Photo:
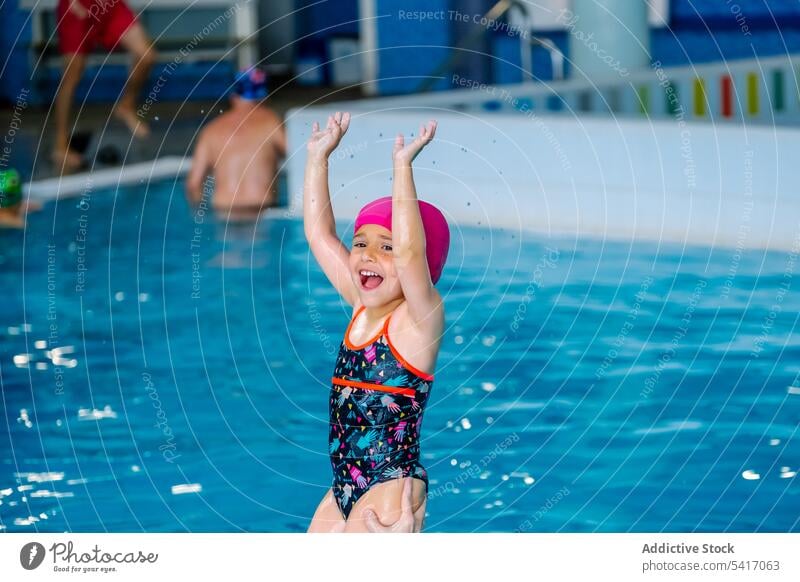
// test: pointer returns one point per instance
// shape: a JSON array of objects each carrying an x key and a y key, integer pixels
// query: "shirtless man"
[
  {"x": 242, "y": 149},
  {"x": 82, "y": 24}
]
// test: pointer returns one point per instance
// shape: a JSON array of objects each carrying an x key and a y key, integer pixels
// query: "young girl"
[{"x": 384, "y": 370}]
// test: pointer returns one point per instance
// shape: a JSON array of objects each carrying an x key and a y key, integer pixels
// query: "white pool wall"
[
  {"x": 668, "y": 180},
  {"x": 68, "y": 186}
]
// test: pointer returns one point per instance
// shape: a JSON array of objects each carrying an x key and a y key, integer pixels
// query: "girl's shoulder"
[{"x": 431, "y": 326}]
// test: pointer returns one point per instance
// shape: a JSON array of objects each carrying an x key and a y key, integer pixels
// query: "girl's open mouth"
[{"x": 369, "y": 279}]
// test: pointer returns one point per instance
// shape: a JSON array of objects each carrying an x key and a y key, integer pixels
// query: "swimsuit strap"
[{"x": 385, "y": 333}]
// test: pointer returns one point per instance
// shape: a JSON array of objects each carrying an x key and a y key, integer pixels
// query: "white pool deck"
[{"x": 694, "y": 183}]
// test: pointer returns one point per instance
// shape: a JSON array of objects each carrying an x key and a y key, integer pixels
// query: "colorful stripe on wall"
[
  {"x": 673, "y": 98},
  {"x": 779, "y": 84},
  {"x": 643, "y": 96},
  {"x": 726, "y": 94},
  {"x": 700, "y": 97},
  {"x": 752, "y": 93},
  {"x": 777, "y": 90}
]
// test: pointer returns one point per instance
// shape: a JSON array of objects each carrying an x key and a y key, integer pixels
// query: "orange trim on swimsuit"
[
  {"x": 402, "y": 360},
  {"x": 347, "y": 333},
  {"x": 384, "y": 331},
  {"x": 378, "y": 387}
]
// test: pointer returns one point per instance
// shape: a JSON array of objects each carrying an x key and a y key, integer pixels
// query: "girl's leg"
[
  {"x": 327, "y": 518},
  {"x": 386, "y": 501}
]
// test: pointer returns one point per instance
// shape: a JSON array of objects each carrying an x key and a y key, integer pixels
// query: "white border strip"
[{"x": 652, "y": 557}]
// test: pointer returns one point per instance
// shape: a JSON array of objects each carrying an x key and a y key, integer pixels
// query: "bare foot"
[
  {"x": 67, "y": 161},
  {"x": 127, "y": 115}
]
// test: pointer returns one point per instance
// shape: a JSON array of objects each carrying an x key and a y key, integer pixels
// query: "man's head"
[{"x": 251, "y": 85}]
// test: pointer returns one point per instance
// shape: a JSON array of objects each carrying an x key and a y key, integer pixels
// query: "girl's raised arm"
[
  {"x": 318, "y": 221},
  {"x": 408, "y": 234}
]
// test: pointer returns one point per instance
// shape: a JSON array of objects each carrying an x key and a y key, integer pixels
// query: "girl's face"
[{"x": 372, "y": 266}]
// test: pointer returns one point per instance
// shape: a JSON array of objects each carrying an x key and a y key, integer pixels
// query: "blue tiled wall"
[
  {"x": 316, "y": 23},
  {"x": 410, "y": 51},
  {"x": 722, "y": 13},
  {"x": 687, "y": 46},
  {"x": 325, "y": 19},
  {"x": 187, "y": 82},
  {"x": 15, "y": 35},
  {"x": 713, "y": 30}
]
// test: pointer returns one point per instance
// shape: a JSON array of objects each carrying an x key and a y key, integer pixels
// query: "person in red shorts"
[{"x": 82, "y": 25}]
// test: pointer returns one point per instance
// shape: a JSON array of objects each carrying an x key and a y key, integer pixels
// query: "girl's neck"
[{"x": 378, "y": 313}]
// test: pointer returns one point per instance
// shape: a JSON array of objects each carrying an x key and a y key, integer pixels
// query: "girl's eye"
[
  {"x": 359, "y": 244},
  {"x": 387, "y": 248}
]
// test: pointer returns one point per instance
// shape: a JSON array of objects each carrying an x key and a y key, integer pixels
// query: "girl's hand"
[
  {"x": 405, "y": 154},
  {"x": 322, "y": 143}
]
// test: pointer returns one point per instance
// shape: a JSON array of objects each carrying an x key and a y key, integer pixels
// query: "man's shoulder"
[{"x": 269, "y": 114}]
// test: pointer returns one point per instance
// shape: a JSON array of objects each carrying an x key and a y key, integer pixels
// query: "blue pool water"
[{"x": 164, "y": 371}]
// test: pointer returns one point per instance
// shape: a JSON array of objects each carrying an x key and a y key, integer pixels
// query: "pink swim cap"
[{"x": 437, "y": 233}]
